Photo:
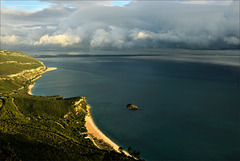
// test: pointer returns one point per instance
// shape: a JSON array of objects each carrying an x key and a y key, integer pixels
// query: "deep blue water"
[{"x": 189, "y": 111}]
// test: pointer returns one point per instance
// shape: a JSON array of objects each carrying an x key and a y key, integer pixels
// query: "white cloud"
[
  {"x": 10, "y": 39},
  {"x": 207, "y": 2},
  {"x": 232, "y": 40},
  {"x": 143, "y": 35},
  {"x": 110, "y": 37},
  {"x": 100, "y": 38},
  {"x": 138, "y": 24},
  {"x": 63, "y": 40}
]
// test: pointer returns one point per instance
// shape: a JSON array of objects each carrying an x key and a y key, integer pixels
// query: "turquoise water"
[{"x": 189, "y": 111}]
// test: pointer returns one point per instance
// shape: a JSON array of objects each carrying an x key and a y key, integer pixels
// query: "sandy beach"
[
  {"x": 30, "y": 88},
  {"x": 90, "y": 125},
  {"x": 51, "y": 68},
  {"x": 33, "y": 84},
  {"x": 93, "y": 129}
]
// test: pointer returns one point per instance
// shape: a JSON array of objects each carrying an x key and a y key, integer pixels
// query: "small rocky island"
[{"x": 132, "y": 107}]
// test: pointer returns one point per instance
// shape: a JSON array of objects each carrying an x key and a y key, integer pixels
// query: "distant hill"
[
  {"x": 17, "y": 68},
  {"x": 41, "y": 128},
  {"x": 14, "y": 62}
]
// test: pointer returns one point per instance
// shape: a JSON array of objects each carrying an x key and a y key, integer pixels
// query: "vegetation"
[
  {"x": 14, "y": 62},
  {"x": 133, "y": 152},
  {"x": 16, "y": 69},
  {"x": 42, "y": 128}
]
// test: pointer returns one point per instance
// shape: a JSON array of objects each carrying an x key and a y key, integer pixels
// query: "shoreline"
[
  {"x": 94, "y": 130},
  {"x": 32, "y": 84},
  {"x": 51, "y": 68},
  {"x": 90, "y": 125}
]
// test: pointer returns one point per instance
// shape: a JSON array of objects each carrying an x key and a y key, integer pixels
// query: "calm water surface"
[{"x": 189, "y": 111}]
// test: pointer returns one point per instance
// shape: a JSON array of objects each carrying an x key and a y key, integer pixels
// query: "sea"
[{"x": 189, "y": 109}]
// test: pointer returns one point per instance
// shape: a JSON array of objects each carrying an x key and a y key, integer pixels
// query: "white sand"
[
  {"x": 33, "y": 84},
  {"x": 51, "y": 68},
  {"x": 30, "y": 89},
  {"x": 90, "y": 125},
  {"x": 93, "y": 129}
]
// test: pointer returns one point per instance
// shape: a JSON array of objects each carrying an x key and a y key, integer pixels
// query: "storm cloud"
[{"x": 139, "y": 24}]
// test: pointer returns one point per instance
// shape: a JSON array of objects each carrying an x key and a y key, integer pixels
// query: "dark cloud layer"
[{"x": 155, "y": 24}]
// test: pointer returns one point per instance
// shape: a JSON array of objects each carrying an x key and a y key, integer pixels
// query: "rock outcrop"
[
  {"x": 28, "y": 74},
  {"x": 132, "y": 107},
  {"x": 81, "y": 104}
]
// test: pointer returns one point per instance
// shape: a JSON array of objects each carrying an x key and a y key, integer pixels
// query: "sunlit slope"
[{"x": 17, "y": 68}]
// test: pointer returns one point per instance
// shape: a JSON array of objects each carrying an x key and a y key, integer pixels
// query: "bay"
[{"x": 188, "y": 110}]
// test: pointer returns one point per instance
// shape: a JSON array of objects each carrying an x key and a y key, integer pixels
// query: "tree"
[
  {"x": 136, "y": 154},
  {"x": 133, "y": 152},
  {"x": 121, "y": 149},
  {"x": 129, "y": 149}
]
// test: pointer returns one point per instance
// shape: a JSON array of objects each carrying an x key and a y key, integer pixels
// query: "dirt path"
[
  {"x": 59, "y": 124},
  {"x": 17, "y": 107}
]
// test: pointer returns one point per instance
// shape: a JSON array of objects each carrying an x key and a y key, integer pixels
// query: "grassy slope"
[
  {"x": 34, "y": 127},
  {"x": 13, "y": 63}
]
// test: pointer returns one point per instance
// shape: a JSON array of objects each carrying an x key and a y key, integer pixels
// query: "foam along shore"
[
  {"x": 93, "y": 129},
  {"x": 33, "y": 84}
]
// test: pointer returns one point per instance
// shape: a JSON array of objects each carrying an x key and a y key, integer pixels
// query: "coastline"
[
  {"x": 90, "y": 125},
  {"x": 33, "y": 84},
  {"x": 93, "y": 129},
  {"x": 51, "y": 68}
]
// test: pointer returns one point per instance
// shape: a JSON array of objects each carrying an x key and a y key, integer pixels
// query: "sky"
[{"x": 115, "y": 25}]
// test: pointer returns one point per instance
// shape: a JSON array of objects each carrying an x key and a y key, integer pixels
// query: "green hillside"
[
  {"x": 14, "y": 62},
  {"x": 16, "y": 69},
  {"x": 41, "y": 128}
]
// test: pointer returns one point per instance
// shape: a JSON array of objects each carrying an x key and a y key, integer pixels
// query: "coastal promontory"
[{"x": 41, "y": 128}]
